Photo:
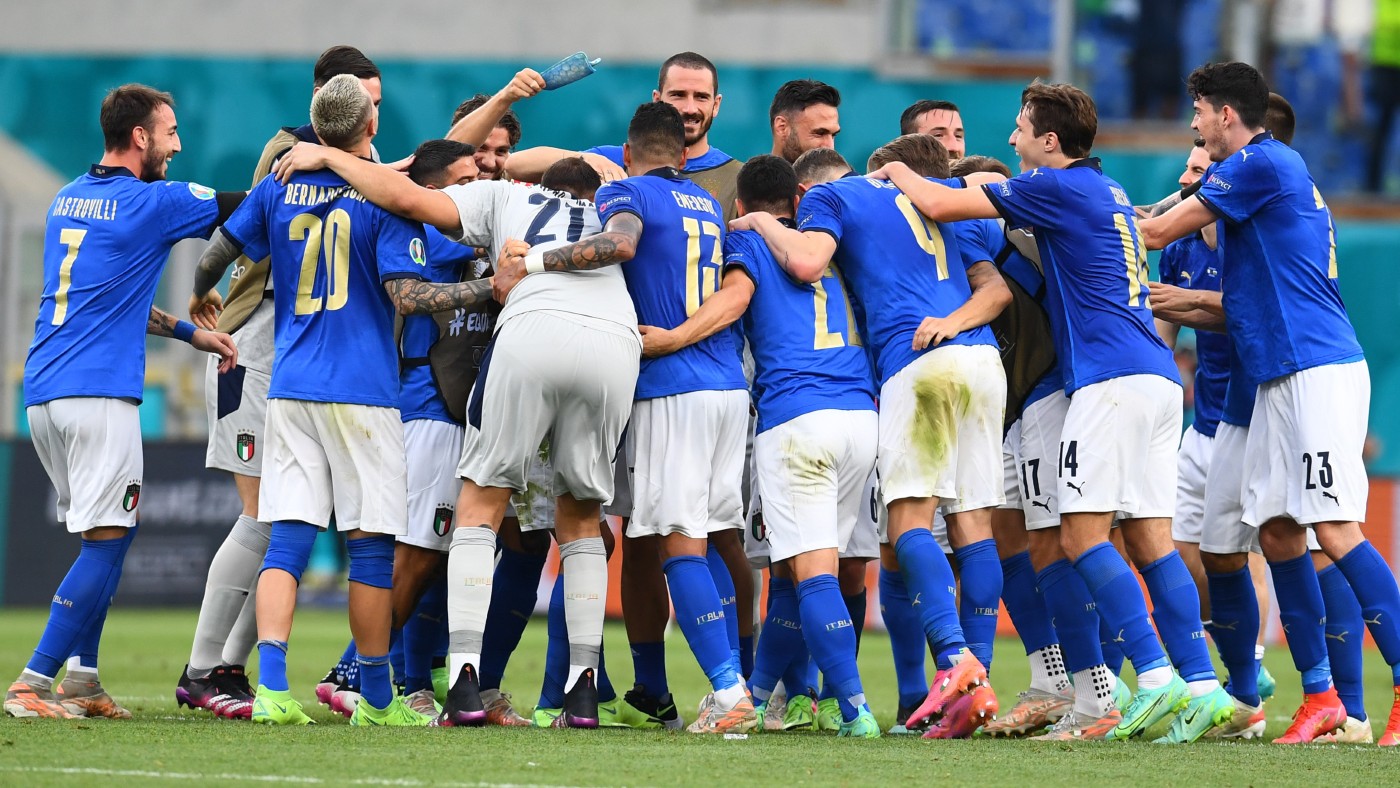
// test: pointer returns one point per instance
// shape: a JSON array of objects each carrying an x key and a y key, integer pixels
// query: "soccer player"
[
  {"x": 938, "y": 118},
  {"x": 941, "y": 386},
  {"x": 341, "y": 267},
  {"x": 816, "y": 440},
  {"x": 1302, "y": 458},
  {"x": 523, "y": 393},
  {"x": 226, "y": 631},
  {"x": 803, "y": 116},
  {"x": 107, "y": 237},
  {"x": 1117, "y": 446}
]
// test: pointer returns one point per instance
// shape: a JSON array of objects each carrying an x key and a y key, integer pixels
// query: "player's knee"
[
  {"x": 535, "y": 543},
  {"x": 372, "y": 561},
  {"x": 1282, "y": 540},
  {"x": 850, "y": 573},
  {"x": 609, "y": 541},
  {"x": 1217, "y": 564},
  {"x": 289, "y": 547}
]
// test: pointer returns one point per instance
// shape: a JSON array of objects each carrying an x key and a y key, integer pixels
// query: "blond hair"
[{"x": 340, "y": 111}]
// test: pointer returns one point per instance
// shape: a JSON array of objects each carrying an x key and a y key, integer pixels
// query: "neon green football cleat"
[
  {"x": 278, "y": 708},
  {"x": 1150, "y": 706},
  {"x": 1213, "y": 709},
  {"x": 441, "y": 684},
  {"x": 608, "y": 714},
  {"x": 863, "y": 726},
  {"x": 544, "y": 718},
  {"x": 1122, "y": 696},
  {"x": 801, "y": 714},
  {"x": 828, "y": 714},
  {"x": 396, "y": 715}
]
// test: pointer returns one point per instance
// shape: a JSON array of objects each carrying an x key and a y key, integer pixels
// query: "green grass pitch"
[{"x": 144, "y": 651}]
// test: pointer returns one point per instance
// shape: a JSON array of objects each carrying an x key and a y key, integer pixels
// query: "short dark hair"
[
  {"x": 656, "y": 132},
  {"x": 819, "y": 162},
  {"x": 432, "y": 159},
  {"x": 342, "y": 59},
  {"x": 573, "y": 175},
  {"x": 909, "y": 118},
  {"x": 1279, "y": 119},
  {"x": 798, "y": 94},
  {"x": 1065, "y": 110},
  {"x": 969, "y": 164},
  {"x": 767, "y": 183},
  {"x": 686, "y": 60},
  {"x": 127, "y": 107},
  {"x": 1236, "y": 84},
  {"x": 509, "y": 121},
  {"x": 922, "y": 153}
]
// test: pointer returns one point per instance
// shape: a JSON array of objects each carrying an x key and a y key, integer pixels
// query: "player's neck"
[
  {"x": 642, "y": 167},
  {"x": 1240, "y": 138},
  {"x": 129, "y": 158},
  {"x": 700, "y": 148}
]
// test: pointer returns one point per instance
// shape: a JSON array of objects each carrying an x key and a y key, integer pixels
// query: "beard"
[
  {"x": 700, "y": 134},
  {"x": 153, "y": 165},
  {"x": 792, "y": 148}
]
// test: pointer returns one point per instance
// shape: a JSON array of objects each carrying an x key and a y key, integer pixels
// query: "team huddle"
[{"x": 967, "y": 375}]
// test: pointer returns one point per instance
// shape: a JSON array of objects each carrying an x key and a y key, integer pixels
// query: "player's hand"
[
  {"x": 657, "y": 341},
  {"x": 888, "y": 172},
  {"x": 220, "y": 343},
  {"x": 934, "y": 331},
  {"x": 510, "y": 269},
  {"x": 606, "y": 169},
  {"x": 749, "y": 221},
  {"x": 205, "y": 310},
  {"x": 401, "y": 165},
  {"x": 302, "y": 157},
  {"x": 1170, "y": 298},
  {"x": 527, "y": 82}
]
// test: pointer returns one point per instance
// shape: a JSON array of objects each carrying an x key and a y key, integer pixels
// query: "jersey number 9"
[
  {"x": 327, "y": 240},
  {"x": 928, "y": 236}
]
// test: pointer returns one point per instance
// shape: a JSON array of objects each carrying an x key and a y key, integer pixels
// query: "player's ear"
[
  {"x": 718, "y": 98},
  {"x": 683, "y": 154},
  {"x": 140, "y": 137},
  {"x": 739, "y": 207},
  {"x": 796, "y": 198},
  {"x": 627, "y": 157},
  {"x": 656, "y": 95}
]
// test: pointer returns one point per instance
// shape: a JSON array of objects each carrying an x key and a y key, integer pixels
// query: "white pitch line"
[{"x": 256, "y": 778}]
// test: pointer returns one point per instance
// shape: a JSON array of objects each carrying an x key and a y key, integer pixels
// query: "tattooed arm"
[
  {"x": 617, "y": 243},
  {"x": 160, "y": 324},
  {"x": 417, "y": 297},
  {"x": 163, "y": 324}
]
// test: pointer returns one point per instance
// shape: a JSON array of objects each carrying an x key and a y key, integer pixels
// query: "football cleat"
[
  {"x": 607, "y": 714},
  {"x": 327, "y": 686},
  {"x": 801, "y": 714},
  {"x": 544, "y": 718},
  {"x": 966, "y": 714},
  {"x": 26, "y": 700},
  {"x": 499, "y": 710},
  {"x": 1201, "y": 715},
  {"x": 1150, "y": 706},
  {"x": 637, "y": 709},
  {"x": 900, "y": 727},
  {"x": 1073, "y": 727},
  {"x": 829, "y": 714},
  {"x": 580, "y": 704},
  {"x": 278, "y": 708},
  {"x": 397, "y": 714},
  {"x": 463, "y": 706},
  {"x": 1248, "y": 723},
  {"x": 863, "y": 726},
  {"x": 739, "y": 718},
  {"x": 772, "y": 712},
  {"x": 1320, "y": 714},
  {"x": 421, "y": 702},
  {"x": 1266, "y": 685},
  {"x": 440, "y": 684},
  {"x": 1035, "y": 710},
  {"x": 948, "y": 685},
  {"x": 223, "y": 693},
  {"x": 1391, "y": 736},
  {"x": 88, "y": 699},
  {"x": 1353, "y": 731}
]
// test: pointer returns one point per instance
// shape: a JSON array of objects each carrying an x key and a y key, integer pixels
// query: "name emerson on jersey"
[{"x": 690, "y": 201}]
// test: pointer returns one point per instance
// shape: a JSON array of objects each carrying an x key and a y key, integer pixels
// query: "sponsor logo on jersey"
[
  {"x": 416, "y": 252},
  {"x": 201, "y": 192},
  {"x": 132, "y": 496},
  {"x": 246, "y": 446},
  {"x": 442, "y": 519}
]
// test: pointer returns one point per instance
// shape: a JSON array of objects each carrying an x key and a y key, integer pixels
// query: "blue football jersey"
[
  {"x": 1238, "y": 407},
  {"x": 711, "y": 159},
  {"x": 331, "y": 251},
  {"x": 807, "y": 351},
  {"x": 984, "y": 239},
  {"x": 901, "y": 266},
  {"x": 1282, "y": 304},
  {"x": 1095, "y": 270},
  {"x": 1191, "y": 264},
  {"x": 419, "y": 395},
  {"x": 106, "y": 240},
  {"x": 679, "y": 263}
]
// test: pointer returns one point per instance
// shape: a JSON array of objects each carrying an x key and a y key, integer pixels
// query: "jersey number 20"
[{"x": 327, "y": 240}]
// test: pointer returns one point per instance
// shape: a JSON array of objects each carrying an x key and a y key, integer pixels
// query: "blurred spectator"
[
  {"x": 1384, "y": 88},
  {"x": 1156, "y": 61}
]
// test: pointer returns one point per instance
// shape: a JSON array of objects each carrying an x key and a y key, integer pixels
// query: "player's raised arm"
[
  {"x": 529, "y": 164},
  {"x": 939, "y": 202},
  {"x": 1185, "y": 218},
  {"x": 717, "y": 313},
  {"x": 803, "y": 255},
  {"x": 379, "y": 184},
  {"x": 476, "y": 126}
]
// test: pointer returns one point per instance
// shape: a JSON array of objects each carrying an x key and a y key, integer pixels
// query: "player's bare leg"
[{"x": 646, "y": 610}]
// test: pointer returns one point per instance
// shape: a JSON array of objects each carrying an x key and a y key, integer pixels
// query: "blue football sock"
[
  {"x": 1301, "y": 609},
  {"x": 272, "y": 664},
  {"x": 82, "y": 598},
  {"x": 1345, "y": 633},
  {"x": 746, "y": 654},
  {"x": 606, "y": 692},
  {"x": 649, "y": 667},
  {"x": 514, "y": 592},
  {"x": 1025, "y": 604},
  {"x": 556, "y": 654},
  {"x": 86, "y": 647},
  {"x": 701, "y": 618},
  {"x": 855, "y": 608},
  {"x": 420, "y": 636},
  {"x": 724, "y": 584},
  {"x": 375, "y": 688},
  {"x": 831, "y": 638},
  {"x": 1176, "y": 608},
  {"x": 780, "y": 641},
  {"x": 1120, "y": 603},
  {"x": 1379, "y": 596},
  {"x": 980, "y": 600},
  {"x": 1234, "y": 624},
  {"x": 397, "y": 667},
  {"x": 906, "y": 638},
  {"x": 932, "y": 591},
  {"x": 1111, "y": 648},
  {"x": 1072, "y": 609}
]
